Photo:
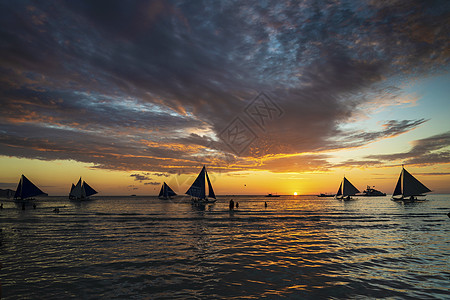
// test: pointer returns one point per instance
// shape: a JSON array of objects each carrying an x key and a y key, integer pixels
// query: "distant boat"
[
  {"x": 81, "y": 191},
  {"x": 408, "y": 188},
  {"x": 346, "y": 190},
  {"x": 198, "y": 189},
  {"x": 166, "y": 192},
  {"x": 271, "y": 195},
  {"x": 7, "y": 193},
  {"x": 371, "y": 192},
  {"x": 325, "y": 195},
  {"x": 26, "y": 190}
]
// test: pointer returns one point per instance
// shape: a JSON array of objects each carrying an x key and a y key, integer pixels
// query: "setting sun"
[{"x": 295, "y": 193}]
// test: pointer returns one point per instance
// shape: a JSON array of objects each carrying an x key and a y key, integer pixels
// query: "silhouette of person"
[
  {"x": 1, "y": 206},
  {"x": 237, "y": 204},
  {"x": 231, "y": 204},
  {"x": 265, "y": 204},
  {"x": 34, "y": 205}
]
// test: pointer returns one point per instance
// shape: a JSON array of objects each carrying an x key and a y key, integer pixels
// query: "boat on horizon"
[
  {"x": 81, "y": 191},
  {"x": 325, "y": 195},
  {"x": 272, "y": 195},
  {"x": 166, "y": 192},
  {"x": 346, "y": 190},
  {"x": 372, "y": 192},
  {"x": 26, "y": 190},
  {"x": 408, "y": 188},
  {"x": 198, "y": 189}
]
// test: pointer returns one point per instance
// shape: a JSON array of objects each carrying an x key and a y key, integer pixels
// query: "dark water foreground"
[{"x": 297, "y": 248}]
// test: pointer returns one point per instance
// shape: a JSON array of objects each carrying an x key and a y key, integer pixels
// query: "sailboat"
[
  {"x": 408, "y": 187},
  {"x": 346, "y": 189},
  {"x": 26, "y": 190},
  {"x": 198, "y": 189},
  {"x": 81, "y": 191},
  {"x": 166, "y": 192}
]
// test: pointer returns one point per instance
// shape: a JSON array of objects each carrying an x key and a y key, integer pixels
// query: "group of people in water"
[
  {"x": 56, "y": 210},
  {"x": 232, "y": 204}
]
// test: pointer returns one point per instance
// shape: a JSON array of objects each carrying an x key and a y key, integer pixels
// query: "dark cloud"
[
  {"x": 391, "y": 128},
  {"x": 152, "y": 183},
  {"x": 432, "y": 150},
  {"x": 150, "y": 85},
  {"x": 140, "y": 177}
]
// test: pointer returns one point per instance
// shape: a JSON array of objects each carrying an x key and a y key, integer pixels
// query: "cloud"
[
  {"x": 140, "y": 177},
  {"x": 152, "y": 183},
  {"x": 151, "y": 85},
  {"x": 432, "y": 150},
  {"x": 390, "y": 129}
]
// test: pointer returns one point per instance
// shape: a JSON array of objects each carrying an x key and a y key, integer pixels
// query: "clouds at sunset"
[{"x": 150, "y": 86}]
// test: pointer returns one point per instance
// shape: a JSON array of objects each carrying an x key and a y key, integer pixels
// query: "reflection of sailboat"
[
  {"x": 198, "y": 189},
  {"x": 346, "y": 189},
  {"x": 166, "y": 192},
  {"x": 408, "y": 187},
  {"x": 26, "y": 190},
  {"x": 81, "y": 191}
]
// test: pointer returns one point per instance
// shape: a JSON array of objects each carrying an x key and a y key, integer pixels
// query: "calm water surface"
[{"x": 298, "y": 248}]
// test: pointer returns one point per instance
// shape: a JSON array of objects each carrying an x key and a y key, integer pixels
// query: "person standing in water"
[
  {"x": 231, "y": 204},
  {"x": 265, "y": 204}
]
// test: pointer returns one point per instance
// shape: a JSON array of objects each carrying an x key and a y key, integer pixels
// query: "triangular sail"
[
  {"x": 71, "y": 189},
  {"x": 339, "y": 192},
  {"x": 197, "y": 189},
  {"x": 398, "y": 187},
  {"x": 27, "y": 189},
  {"x": 210, "y": 188},
  {"x": 412, "y": 186},
  {"x": 169, "y": 191},
  {"x": 88, "y": 190},
  {"x": 18, "y": 189},
  {"x": 348, "y": 189},
  {"x": 78, "y": 191},
  {"x": 161, "y": 192}
]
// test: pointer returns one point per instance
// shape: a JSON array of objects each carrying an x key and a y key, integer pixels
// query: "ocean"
[{"x": 299, "y": 247}]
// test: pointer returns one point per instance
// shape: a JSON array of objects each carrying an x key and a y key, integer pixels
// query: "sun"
[{"x": 295, "y": 193}]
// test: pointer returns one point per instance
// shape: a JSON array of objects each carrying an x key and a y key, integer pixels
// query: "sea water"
[{"x": 300, "y": 247}]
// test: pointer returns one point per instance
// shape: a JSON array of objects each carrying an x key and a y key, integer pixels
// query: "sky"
[{"x": 272, "y": 96}]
